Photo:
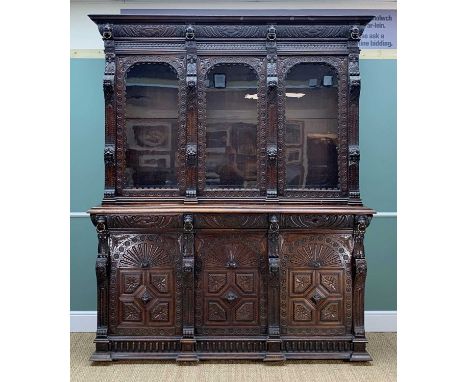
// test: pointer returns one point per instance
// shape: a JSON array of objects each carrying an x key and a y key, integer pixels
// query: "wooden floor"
[{"x": 382, "y": 347}]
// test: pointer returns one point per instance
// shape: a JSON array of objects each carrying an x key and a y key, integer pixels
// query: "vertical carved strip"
[
  {"x": 353, "y": 116},
  {"x": 272, "y": 110},
  {"x": 110, "y": 121},
  {"x": 187, "y": 342},
  {"x": 274, "y": 340},
  {"x": 102, "y": 278},
  {"x": 359, "y": 273},
  {"x": 192, "y": 117}
]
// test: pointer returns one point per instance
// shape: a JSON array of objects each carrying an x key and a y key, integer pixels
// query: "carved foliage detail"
[{"x": 330, "y": 312}]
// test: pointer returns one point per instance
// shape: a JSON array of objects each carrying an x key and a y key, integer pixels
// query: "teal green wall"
[{"x": 378, "y": 176}]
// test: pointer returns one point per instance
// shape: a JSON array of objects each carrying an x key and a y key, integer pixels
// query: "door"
[{"x": 230, "y": 281}]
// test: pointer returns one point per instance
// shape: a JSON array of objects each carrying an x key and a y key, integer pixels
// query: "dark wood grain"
[{"x": 191, "y": 273}]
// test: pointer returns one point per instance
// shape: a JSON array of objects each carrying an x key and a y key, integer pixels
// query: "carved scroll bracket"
[{"x": 361, "y": 222}]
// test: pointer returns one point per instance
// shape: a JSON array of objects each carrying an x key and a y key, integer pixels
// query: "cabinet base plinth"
[
  {"x": 100, "y": 357},
  {"x": 274, "y": 357},
  {"x": 187, "y": 357},
  {"x": 360, "y": 357}
]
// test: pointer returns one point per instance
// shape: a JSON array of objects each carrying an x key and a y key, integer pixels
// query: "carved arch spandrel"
[
  {"x": 322, "y": 266},
  {"x": 206, "y": 64},
  {"x": 123, "y": 64},
  {"x": 340, "y": 65}
]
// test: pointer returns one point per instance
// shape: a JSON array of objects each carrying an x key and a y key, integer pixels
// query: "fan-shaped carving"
[
  {"x": 243, "y": 254},
  {"x": 317, "y": 255},
  {"x": 145, "y": 254}
]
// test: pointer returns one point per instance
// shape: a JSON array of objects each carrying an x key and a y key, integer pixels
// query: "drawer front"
[
  {"x": 146, "y": 285},
  {"x": 315, "y": 284},
  {"x": 226, "y": 221},
  {"x": 230, "y": 284}
]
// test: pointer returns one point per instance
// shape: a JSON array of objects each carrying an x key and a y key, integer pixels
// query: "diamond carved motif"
[
  {"x": 160, "y": 282},
  {"x": 302, "y": 312},
  {"x": 317, "y": 296},
  {"x": 302, "y": 281},
  {"x": 216, "y": 312},
  {"x": 245, "y": 281},
  {"x": 160, "y": 312},
  {"x": 245, "y": 312},
  {"x": 330, "y": 282}
]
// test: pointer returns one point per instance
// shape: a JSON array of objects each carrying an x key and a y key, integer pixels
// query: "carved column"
[
  {"x": 274, "y": 341},
  {"x": 359, "y": 284},
  {"x": 353, "y": 114},
  {"x": 192, "y": 117},
  {"x": 272, "y": 111},
  {"x": 102, "y": 277},
  {"x": 187, "y": 342},
  {"x": 110, "y": 118}
]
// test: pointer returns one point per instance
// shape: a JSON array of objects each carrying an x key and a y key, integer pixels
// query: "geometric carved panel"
[
  {"x": 216, "y": 312},
  {"x": 230, "y": 278},
  {"x": 330, "y": 312},
  {"x": 315, "y": 284},
  {"x": 160, "y": 312},
  {"x": 131, "y": 282},
  {"x": 330, "y": 282},
  {"x": 245, "y": 312},
  {"x": 131, "y": 312},
  {"x": 302, "y": 312},
  {"x": 245, "y": 281},
  {"x": 216, "y": 281},
  {"x": 302, "y": 281},
  {"x": 160, "y": 282}
]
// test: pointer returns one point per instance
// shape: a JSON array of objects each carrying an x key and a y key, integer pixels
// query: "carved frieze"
[{"x": 317, "y": 221}]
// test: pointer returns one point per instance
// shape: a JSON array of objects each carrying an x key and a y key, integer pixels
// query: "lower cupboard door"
[
  {"x": 230, "y": 284},
  {"x": 315, "y": 284},
  {"x": 145, "y": 285}
]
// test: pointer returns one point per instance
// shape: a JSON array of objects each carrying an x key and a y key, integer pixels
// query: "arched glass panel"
[
  {"x": 311, "y": 128},
  {"x": 151, "y": 126},
  {"x": 231, "y": 127}
]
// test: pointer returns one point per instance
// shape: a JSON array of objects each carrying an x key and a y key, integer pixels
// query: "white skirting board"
[{"x": 375, "y": 321}]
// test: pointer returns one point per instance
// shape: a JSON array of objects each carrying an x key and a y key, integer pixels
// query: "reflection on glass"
[
  {"x": 311, "y": 129},
  {"x": 151, "y": 126},
  {"x": 231, "y": 130}
]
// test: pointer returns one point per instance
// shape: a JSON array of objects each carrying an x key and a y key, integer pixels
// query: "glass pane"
[
  {"x": 311, "y": 129},
  {"x": 231, "y": 129},
  {"x": 151, "y": 124}
]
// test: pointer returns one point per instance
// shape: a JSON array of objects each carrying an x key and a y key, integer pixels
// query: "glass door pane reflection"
[
  {"x": 311, "y": 128},
  {"x": 231, "y": 127}
]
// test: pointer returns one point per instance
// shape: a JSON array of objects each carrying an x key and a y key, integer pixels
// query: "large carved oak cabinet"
[{"x": 231, "y": 225}]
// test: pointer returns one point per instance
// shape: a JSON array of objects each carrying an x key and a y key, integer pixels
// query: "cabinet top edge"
[
  {"x": 241, "y": 16},
  {"x": 227, "y": 209}
]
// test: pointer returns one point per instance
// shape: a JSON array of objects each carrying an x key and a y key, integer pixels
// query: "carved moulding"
[
  {"x": 231, "y": 31},
  {"x": 205, "y": 64},
  {"x": 339, "y": 66},
  {"x": 177, "y": 64},
  {"x": 155, "y": 222},
  {"x": 317, "y": 221},
  {"x": 144, "y": 251}
]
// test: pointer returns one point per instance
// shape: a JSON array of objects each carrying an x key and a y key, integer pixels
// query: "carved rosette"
[
  {"x": 204, "y": 67},
  {"x": 123, "y": 64},
  {"x": 340, "y": 67}
]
